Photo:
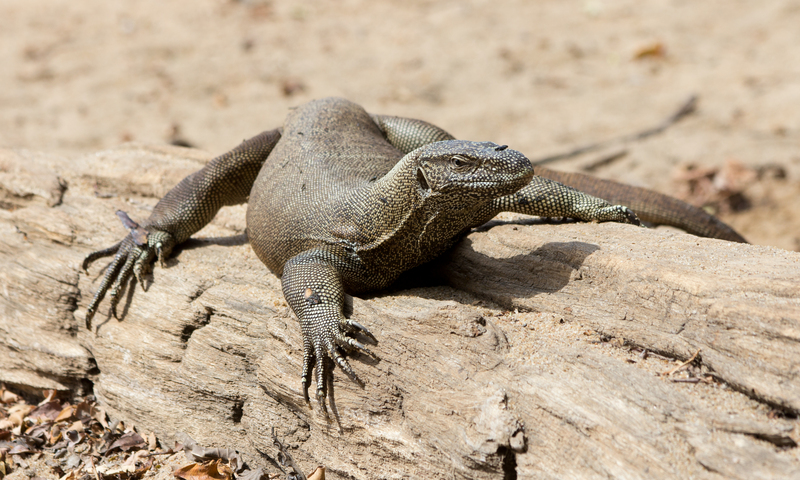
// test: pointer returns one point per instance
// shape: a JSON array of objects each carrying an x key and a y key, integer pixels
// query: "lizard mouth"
[{"x": 499, "y": 187}]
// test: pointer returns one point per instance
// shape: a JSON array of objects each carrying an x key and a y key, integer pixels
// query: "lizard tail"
[{"x": 651, "y": 207}]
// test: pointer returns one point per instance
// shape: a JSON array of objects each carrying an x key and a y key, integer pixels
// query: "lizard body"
[{"x": 341, "y": 201}]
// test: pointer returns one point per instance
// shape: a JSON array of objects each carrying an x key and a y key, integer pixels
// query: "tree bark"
[{"x": 527, "y": 361}]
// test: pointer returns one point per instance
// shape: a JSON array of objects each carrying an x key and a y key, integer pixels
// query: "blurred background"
[{"x": 542, "y": 76}]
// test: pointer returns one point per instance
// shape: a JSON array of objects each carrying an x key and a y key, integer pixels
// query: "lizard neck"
[
  {"x": 373, "y": 213},
  {"x": 397, "y": 222}
]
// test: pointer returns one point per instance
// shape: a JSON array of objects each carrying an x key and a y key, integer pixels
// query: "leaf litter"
[{"x": 56, "y": 439}]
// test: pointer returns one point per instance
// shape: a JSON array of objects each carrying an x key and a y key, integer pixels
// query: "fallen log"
[{"x": 545, "y": 351}]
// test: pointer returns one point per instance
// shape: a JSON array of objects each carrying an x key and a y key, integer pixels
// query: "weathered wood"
[{"x": 508, "y": 371}]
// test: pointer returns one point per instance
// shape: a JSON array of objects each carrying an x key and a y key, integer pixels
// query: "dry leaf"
[
  {"x": 76, "y": 426},
  {"x": 47, "y": 411},
  {"x": 654, "y": 50},
  {"x": 109, "y": 470},
  {"x": 74, "y": 436},
  {"x": 55, "y": 434},
  {"x": 83, "y": 410},
  {"x": 49, "y": 396},
  {"x": 9, "y": 397},
  {"x": 72, "y": 475},
  {"x": 720, "y": 188},
  {"x": 127, "y": 441},
  {"x": 17, "y": 414},
  {"x": 99, "y": 414},
  {"x": 21, "y": 448},
  {"x": 318, "y": 474},
  {"x": 213, "y": 470},
  {"x": 66, "y": 413}
]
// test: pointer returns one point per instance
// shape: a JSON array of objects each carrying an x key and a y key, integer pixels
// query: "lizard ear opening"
[{"x": 422, "y": 181}]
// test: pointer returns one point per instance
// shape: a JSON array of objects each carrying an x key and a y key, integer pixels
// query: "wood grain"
[{"x": 525, "y": 361}]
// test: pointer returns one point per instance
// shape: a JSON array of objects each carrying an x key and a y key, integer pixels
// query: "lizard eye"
[{"x": 459, "y": 163}]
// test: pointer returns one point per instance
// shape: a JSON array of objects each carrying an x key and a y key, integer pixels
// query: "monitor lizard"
[{"x": 342, "y": 202}]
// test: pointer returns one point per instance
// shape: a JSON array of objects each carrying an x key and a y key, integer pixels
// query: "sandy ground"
[{"x": 543, "y": 77}]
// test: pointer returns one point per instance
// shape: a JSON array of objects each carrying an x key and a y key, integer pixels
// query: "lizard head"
[{"x": 476, "y": 170}]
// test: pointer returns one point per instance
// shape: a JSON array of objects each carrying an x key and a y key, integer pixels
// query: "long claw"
[
  {"x": 89, "y": 316},
  {"x": 160, "y": 252},
  {"x": 122, "y": 278},
  {"x": 99, "y": 254},
  {"x": 321, "y": 373},
  {"x": 632, "y": 218},
  {"x": 352, "y": 324},
  {"x": 111, "y": 273},
  {"x": 343, "y": 341},
  {"x": 308, "y": 356},
  {"x": 345, "y": 366},
  {"x": 142, "y": 266},
  {"x": 137, "y": 272}
]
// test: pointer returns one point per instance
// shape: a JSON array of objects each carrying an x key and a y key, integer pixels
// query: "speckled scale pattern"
[
  {"x": 343, "y": 202},
  {"x": 651, "y": 207},
  {"x": 184, "y": 210}
]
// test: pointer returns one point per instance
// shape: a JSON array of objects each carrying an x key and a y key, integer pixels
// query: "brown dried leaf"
[
  {"x": 38, "y": 432},
  {"x": 55, "y": 434},
  {"x": 9, "y": 397},
  {"x": 318, "y": 474},
  {"x": 22, "y": 448},
  {"x": 47, "y": 411},
  {"x": 257, "y": 474},
  {"x": 17, "y": 414},
  {"x": 127, "y": 441},
  {"x": 653, "y": 50},
  {"x": 76, "y": 426},
  {"x": 719, "y": 188},
  {"x": 197, "y": 453},
  {"x": 99, "y": 414},
  {"x": 74, "y": 436},
  {"x": 83, "y": 410},
  {"x": 66, "y": 413},
  {"x": 71, "y": 475},
  {"x": 213, "y": 470},
  {"x": 49, "y": 396},
  {"x": 134, "y": 467},
  {"x": 115, "y": 470}
]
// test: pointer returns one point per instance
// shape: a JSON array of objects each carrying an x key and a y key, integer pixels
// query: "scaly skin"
[{"x": 343, "y": 202}]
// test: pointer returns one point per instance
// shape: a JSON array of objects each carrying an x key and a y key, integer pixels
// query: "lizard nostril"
[{"x": 500, "y": 148}]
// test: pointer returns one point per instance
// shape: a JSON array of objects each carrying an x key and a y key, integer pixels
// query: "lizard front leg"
[
  {"x": 312, "y": 285},
  {"x": 188, "y": 207},
  {"x": 547, "y": 198}
]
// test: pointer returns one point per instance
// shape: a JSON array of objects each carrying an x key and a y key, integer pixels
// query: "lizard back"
[{"x": 328, "y": 149}]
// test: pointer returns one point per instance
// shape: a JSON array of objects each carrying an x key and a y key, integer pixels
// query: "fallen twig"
[
  {"x": 686, "y": 380},
  {"x": 94, "y": 468},
  {"x": 605, "y": 160},
  {"x": 682, "y": 365},
  {"x": 686, "y": 108},
  {"x": 165, "y": 452}
]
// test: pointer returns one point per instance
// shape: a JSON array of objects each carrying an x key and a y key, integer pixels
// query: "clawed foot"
[
  {"x": 322, "y": 341},
  {"x": 617, "y": 213},
  {"x": 133, "y": 255}
]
